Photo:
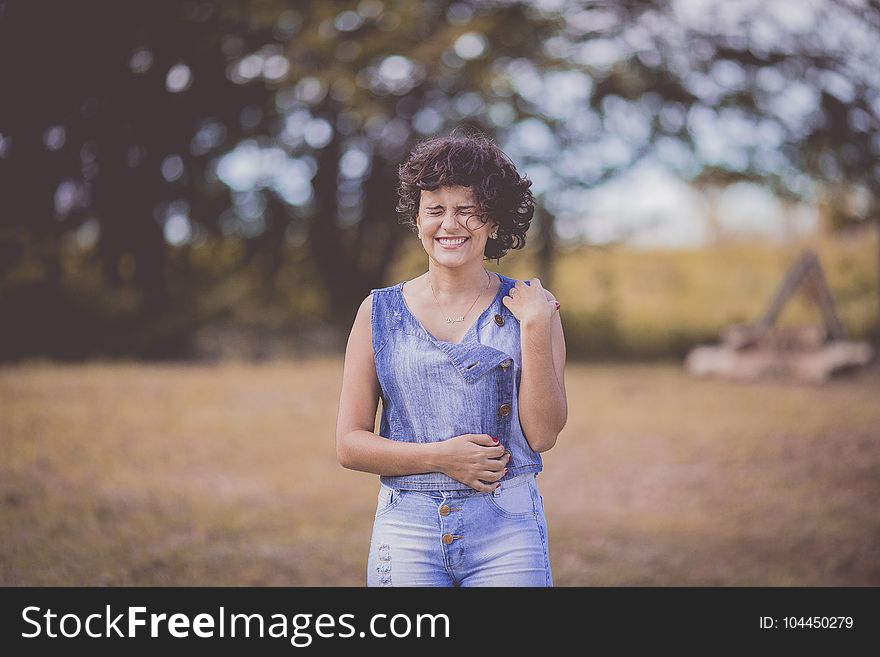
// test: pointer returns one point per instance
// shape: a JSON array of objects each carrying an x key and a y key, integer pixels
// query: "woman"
[{"x": 469, "y": 367}]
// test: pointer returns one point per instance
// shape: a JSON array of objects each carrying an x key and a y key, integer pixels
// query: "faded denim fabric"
[
  {"x": 433, "y": 390},
  {"x": 460, "y": 537}
]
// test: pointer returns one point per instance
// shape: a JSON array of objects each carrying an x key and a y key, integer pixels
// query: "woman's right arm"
[{"x": 471, "y": 458}]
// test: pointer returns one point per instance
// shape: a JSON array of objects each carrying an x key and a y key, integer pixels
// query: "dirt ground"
[{"x": 131, "y": 474}]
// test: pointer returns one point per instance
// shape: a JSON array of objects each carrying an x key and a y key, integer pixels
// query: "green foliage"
[{"x": 121, "y": 117}]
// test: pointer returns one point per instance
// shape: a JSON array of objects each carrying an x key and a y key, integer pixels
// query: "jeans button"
[{"x": 504, "y": 410}]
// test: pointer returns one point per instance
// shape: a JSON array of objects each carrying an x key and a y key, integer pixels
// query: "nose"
[{"x": 450, "y": 222}]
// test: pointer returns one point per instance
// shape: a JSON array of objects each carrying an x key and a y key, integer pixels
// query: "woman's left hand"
[{"x": 530, "y": 303}]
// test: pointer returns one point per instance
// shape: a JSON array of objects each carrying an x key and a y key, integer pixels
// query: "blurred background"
[{"x": 195, "y": 196}]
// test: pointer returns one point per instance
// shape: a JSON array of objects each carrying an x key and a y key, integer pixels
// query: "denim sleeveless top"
[{"x": 433, "y": 390}]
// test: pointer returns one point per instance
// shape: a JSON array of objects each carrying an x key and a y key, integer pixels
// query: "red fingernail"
[{"x": 495, "y": 439}]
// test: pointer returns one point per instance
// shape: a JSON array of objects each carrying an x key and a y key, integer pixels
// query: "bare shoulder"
[
  {"x": 361, "y": 328},
  {"x": 366, "y": 307},
  {"x": 557, "y": 332},
  {"x": 365, "y": 312}
]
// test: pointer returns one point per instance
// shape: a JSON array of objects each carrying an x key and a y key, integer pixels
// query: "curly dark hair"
[{"x": 470, "y": 160}]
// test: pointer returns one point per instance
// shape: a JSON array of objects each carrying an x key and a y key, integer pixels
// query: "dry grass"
[{"x": 226, "y": 475}]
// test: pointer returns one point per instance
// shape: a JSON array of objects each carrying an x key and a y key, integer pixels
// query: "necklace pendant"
[{"x": 453, "y": 320}]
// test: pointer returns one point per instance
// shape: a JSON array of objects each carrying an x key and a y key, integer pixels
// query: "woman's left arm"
[{"x": 543, "y": 409}]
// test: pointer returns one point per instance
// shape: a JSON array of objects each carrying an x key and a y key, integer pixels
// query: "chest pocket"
[{"x": 473, "y": 360}]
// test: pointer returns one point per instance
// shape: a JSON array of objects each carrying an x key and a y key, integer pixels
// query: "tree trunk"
[
  {"x": 546, "y": 248},
  {"x": 877, "y": 319},
  {"x": 328, "y": 251}
]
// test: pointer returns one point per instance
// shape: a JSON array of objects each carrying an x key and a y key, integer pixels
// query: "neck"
[{"x": 455, "y": 281}]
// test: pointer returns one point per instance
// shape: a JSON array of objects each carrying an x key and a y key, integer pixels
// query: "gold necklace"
[{"x": 453, "y": 320}]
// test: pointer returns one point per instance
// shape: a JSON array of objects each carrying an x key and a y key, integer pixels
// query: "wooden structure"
[{"x": 804, "y": 353}]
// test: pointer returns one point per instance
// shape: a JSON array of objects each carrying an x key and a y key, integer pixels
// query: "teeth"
[{"x": 451, "y": 240}]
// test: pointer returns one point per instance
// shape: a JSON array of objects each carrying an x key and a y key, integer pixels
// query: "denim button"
[
  {"x": 504, "y": 410},
  {"x": 499, "y": 320},
  {"x": 447, "y": 539},
  {"x": 506, "y": 364},
  {"x": 444, "y": 510}
]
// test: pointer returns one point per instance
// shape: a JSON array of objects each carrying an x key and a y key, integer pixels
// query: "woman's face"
[{"x": 453, "y": 232}]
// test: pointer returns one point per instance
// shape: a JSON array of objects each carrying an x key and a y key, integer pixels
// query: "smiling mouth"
[{"x": 451, "y": 242}]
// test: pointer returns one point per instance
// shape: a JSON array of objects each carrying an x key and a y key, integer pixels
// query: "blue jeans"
[{"x": 460, "y": 537}]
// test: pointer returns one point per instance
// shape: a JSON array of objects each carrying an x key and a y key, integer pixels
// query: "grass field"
[{"x": 115, "y": 474}]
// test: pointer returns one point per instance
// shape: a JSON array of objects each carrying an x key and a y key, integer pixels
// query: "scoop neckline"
[{"x": 471, "y": 328}]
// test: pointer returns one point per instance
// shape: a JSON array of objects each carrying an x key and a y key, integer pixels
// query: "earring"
[{"x": 494, "y": 235}]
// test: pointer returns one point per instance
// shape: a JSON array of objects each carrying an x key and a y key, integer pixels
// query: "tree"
[
  {"x": 249, "y": 120},
  {"x": 112, "y": 111}
]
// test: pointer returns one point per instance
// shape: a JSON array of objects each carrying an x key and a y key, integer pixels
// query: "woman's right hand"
[{"x": 475, "y": 459}]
